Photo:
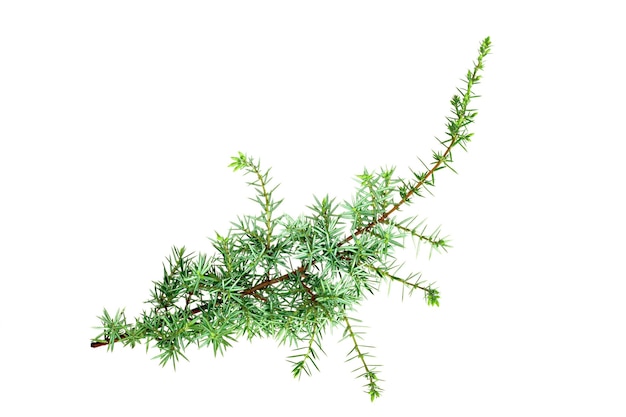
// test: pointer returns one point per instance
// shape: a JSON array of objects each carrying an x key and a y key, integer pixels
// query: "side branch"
[
  {"x": 369, "y": 373},
  {"x": 457, "y": 134}
]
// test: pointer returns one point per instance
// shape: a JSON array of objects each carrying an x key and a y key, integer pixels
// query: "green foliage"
[{"x": 293, "y": 278}]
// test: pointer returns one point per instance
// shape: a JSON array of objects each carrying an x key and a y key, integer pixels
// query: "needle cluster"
[{"x": 294, "y": 278}]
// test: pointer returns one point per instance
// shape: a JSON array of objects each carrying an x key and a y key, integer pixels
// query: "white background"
[{"x": 118, "y": 120}]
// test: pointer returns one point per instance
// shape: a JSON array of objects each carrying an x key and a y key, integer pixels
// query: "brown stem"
[
  {"x": 98, "y": 344},
  {"x": 273, "y": 281},
  {"x": 301, "y": 270}
]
